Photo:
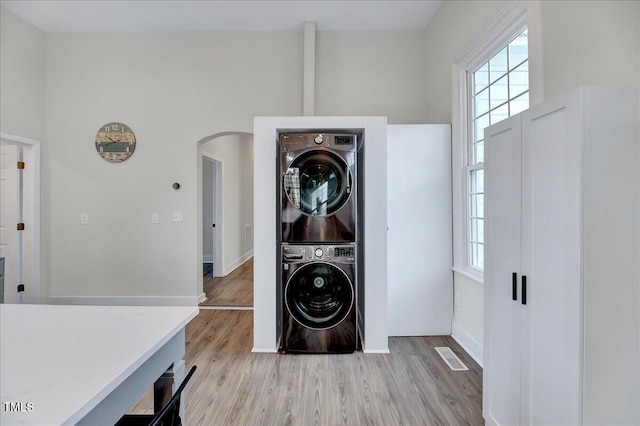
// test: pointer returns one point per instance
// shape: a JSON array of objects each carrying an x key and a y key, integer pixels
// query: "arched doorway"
[{"x": 226, "y": 217}]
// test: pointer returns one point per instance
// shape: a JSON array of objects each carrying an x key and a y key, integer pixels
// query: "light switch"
[
  {"x": 84, "y": 218},
  {"x": 155, "y": 218},
  {"x": 177, "y": 216}
]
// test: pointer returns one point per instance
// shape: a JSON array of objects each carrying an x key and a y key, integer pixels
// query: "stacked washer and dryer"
[{"x": 319, "y": 248}]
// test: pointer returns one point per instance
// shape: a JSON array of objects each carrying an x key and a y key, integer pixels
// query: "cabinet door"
[
  {"x": 551, "y": 257},
  {"x": 502, "y": 308}
]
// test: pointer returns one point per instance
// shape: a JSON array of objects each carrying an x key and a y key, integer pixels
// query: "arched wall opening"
[{"x": 225, "y": 211}]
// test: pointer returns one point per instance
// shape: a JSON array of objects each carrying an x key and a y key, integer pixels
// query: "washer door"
[
  {"x": 319, "y": 295},
  {"x": 318, "y": 183}
]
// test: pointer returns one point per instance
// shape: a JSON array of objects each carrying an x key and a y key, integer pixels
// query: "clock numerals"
[{"x": 115, "y": 142}]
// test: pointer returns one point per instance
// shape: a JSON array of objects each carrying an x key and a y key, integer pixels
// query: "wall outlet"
[
  {"x": 177, "y": 216},
  {"x": 84, "y": 218},
  {"x": 457, "y": 299},
  {"x": 155, "y": 218}
]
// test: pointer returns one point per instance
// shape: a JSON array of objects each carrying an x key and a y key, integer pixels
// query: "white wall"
[
  {"x": 173, "y": 90},
  {"x": 590, "y": 43},
  {"x": 372, "y": 73},
  {"x": 22, "y": 77},
  {"x": 236, "y": 154},
  {"x": 584, "y": 43}
]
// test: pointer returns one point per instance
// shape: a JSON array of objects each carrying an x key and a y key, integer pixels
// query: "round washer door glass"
[
  {"x": 319, "y": 295},
  {"x": 318, "y": 183}
]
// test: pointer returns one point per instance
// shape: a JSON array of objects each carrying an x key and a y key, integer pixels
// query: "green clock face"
[{"x": 115, "y": 142}]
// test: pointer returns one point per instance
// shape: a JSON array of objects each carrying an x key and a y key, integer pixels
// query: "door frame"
[
  {"x": 31, "y": 215},
  {"x": 218, "y": 213}
]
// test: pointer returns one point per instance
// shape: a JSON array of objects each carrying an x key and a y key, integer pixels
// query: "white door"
[
  {"x": 212, "y": 204},
  {"x": 10, "y": 247},
  {"x": 216, "y": 190},
  {"x": 552, "y": 221},
  {"x": 207, "y": 211},
  {"x": 503, "y": 307}
]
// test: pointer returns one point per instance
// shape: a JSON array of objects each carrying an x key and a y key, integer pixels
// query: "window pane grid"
[
  {"x": 498, "y": 90},
  {"x": 476, "y": 255}
]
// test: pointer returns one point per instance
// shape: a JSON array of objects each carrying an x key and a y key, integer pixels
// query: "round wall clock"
[{"x": 115, "y": 142}]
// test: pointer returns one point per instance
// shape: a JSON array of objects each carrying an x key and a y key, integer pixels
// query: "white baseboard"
[
  {"x": 207, "y": 259},
  {"x": 124, "y": 300},
  {"x": 232, "y": 266},
  {"x": 265, "y": 351},
  {"x": 375, "y": 351},
  {"x": 202, "y": 298},
  {"x": 226, "y": 308},
  {"x": 468, "y": 343}
]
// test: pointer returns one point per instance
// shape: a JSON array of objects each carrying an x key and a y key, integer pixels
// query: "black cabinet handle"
[
  {"x": 514, "y": 286},
  {"x": 524, "y": 289}
]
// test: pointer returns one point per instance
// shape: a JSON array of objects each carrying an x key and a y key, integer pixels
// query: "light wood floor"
[
  {"x": 409, "y": 386},
  {"x": 236, "y": 289}
]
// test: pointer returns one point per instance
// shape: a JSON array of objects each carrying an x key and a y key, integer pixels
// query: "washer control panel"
[
  {"x": 349, "y": 251},
  {"x": 344, "y": 253}
]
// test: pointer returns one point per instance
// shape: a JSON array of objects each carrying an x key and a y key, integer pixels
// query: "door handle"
[
  {"x": 514, "y": 286},
  {"x": 524, "y": 289}
]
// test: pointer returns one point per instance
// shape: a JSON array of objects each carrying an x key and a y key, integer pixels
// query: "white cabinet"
[
  {"x": 562, "y": 277},
  {"x": 420, "y": 280}
]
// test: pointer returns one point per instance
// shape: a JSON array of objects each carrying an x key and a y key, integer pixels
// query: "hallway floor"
[{"x": 236, "y": 289}]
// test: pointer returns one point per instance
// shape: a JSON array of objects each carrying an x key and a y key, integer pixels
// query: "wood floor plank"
[
  {"x": 235, "y": 289},
  {"x": 409, "y": 386}
]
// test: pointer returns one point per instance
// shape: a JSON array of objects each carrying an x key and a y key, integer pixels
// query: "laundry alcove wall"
[{"x": 266, "y": 131}]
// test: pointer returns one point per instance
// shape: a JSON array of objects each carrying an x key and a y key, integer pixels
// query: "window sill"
[{"x": 476, "y": 277}]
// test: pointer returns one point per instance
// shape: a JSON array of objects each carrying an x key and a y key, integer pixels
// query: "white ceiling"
[{"x": 209, "y": 15}]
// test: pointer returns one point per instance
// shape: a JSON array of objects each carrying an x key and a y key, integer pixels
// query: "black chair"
[{"x": 168, "y": 416}]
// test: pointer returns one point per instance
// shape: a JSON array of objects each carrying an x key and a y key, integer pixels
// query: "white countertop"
[{"x": 64, "y": 360}]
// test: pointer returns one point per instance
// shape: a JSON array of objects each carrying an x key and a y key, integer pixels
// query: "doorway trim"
[
  {"x": 31, "y": 214},
  {"x": 218, "y": 213}
]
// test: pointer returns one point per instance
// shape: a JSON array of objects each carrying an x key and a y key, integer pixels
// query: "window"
[
  {"x": 498, "y": 75},
  {"x": 498, "y": 89}
]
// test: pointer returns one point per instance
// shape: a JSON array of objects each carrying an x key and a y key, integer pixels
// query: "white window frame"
[{"x": 511, "y": 21}]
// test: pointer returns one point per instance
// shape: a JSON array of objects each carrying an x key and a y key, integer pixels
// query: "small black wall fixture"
[{"x": 176, "y": 185}]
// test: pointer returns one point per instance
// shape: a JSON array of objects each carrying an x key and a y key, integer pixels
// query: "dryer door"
[
  {"x": 318, "y": 183},
  {"x": 319, "y": 295}
]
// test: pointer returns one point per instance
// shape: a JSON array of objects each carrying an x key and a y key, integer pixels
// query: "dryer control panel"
[{"x": 337, "y": 141}]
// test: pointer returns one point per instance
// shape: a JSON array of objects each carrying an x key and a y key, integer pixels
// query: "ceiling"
[{"x": 207, "y": 15}]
